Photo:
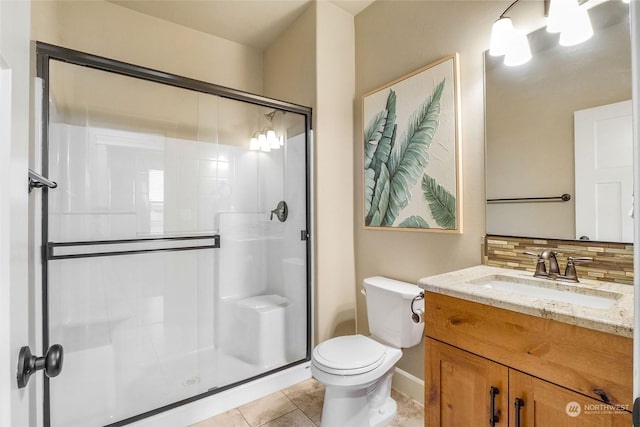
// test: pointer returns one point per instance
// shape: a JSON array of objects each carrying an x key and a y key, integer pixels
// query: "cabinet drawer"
[{"x": 590, "y": 362}]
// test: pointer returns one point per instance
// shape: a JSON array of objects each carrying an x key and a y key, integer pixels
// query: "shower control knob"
[
  {"x": 281, "y": 211},
  {"x": 51, "y": 363}
]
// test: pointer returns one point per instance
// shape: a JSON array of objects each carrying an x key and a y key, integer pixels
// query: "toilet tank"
[{"x": 389, "y": 311}]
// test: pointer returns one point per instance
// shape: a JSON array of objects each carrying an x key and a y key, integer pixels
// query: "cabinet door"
[
  {"x": 549, "y": 405},
  {"x": 457, "y": 388}
]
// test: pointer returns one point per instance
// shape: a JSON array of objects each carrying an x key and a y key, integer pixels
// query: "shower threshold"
[
  {"x": 172, "y": 383},
  {"x": 226, "y": 400}
]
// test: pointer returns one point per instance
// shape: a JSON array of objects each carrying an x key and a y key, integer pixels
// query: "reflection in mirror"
[{"x": 530, "y": 133}]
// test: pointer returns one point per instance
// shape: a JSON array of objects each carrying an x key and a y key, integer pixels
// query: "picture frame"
[{"x": 411, "y": 151}]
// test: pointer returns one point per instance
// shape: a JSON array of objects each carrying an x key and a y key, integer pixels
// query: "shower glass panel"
[{"x": 176, "y": 258}]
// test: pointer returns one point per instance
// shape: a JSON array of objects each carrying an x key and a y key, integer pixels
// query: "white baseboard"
[{"x": 408, "y": 384}]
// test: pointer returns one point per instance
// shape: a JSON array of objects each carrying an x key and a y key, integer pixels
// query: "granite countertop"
[{"x": 471, "y": 284}]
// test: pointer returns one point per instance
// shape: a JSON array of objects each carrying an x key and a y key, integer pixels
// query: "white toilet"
[{"x": 357, "y": 370}]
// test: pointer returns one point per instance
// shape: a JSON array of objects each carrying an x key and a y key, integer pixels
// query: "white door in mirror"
[{"x": 604, "y": 172}]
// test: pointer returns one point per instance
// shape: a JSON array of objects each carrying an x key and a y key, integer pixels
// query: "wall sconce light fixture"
[
  {"x": 267, "y": 139},
  {"x": 566, "y": 17},
  {"x": 505, "y": 40}
]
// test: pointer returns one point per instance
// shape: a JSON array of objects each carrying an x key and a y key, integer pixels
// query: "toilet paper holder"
[{"x": 416, "y": 314}]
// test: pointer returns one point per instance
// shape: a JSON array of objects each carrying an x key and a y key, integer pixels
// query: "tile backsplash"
[{"x": 612, "y": 262}]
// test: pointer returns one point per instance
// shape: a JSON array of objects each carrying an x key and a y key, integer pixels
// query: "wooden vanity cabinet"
[
  {"x": 548, "y": 365},
  {"x": 458, "y": 393}
]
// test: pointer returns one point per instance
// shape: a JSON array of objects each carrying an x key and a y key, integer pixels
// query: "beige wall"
[
  {"x": 334, "y": 174},
  {"x": 290, "y": 62},
  {"x": 109, "y": 30},
  {"x": 311, "y": 66},
  {"x": 394, "y": 38}
]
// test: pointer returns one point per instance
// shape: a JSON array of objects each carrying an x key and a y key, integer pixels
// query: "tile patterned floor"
[{"x": 301, "y": 406}]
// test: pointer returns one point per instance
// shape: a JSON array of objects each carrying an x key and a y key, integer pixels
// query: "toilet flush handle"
[{"x": 416, "y": 314}]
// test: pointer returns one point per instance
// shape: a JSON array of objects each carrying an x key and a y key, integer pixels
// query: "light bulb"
[
  {"x": 501, "y": 32},
  {"x": 272, "y": 140},
  {"x": 281, "y": 138},
  {"x": 264, "y": 145},
  {"x": 518, "y": 51},
  {"x": 577, "y": 28},
  {"x": 254, "y": 144},
  {"x": 559, "y": 12}
]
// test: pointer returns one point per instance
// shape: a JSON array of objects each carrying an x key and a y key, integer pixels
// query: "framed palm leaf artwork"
[{"x": 411, "y": 151}]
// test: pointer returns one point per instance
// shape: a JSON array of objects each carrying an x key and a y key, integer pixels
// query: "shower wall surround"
[{"x": 120, "y": 184}]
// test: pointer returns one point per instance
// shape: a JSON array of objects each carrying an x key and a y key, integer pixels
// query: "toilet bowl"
[{"x": 357, "y": 370}]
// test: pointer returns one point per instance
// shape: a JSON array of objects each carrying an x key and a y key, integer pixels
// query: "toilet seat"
[{"x": 349, "y": 355}]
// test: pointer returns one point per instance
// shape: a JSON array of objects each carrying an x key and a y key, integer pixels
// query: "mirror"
[{"x": 530, "y": 130}]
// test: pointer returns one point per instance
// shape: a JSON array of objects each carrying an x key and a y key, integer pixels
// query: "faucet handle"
[
  {"x": 541, "y": 268},
  {"x": 531, "y": 254},
  {"x": 578, "y": 259},
  {"x": 570, "y": 273}
]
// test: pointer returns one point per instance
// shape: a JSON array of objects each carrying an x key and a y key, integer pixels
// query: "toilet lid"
[{"x": 350, "y": 355}]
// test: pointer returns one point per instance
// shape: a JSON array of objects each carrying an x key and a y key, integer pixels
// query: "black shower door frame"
[{"x": 47, "y": 52}]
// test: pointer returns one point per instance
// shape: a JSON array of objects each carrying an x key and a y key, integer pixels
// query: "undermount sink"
[{"x": 549, "y": 290}]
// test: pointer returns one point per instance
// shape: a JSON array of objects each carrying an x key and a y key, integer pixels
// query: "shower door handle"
[
  {"x": 38, "y": 181},
  {"x": 51, "y": 363}
]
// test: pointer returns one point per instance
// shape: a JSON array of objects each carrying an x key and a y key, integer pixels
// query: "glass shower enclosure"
[{"x": 176, "y": 244}]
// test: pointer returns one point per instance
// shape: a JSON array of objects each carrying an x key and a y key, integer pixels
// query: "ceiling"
[{"x": 255, "y": 23}]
